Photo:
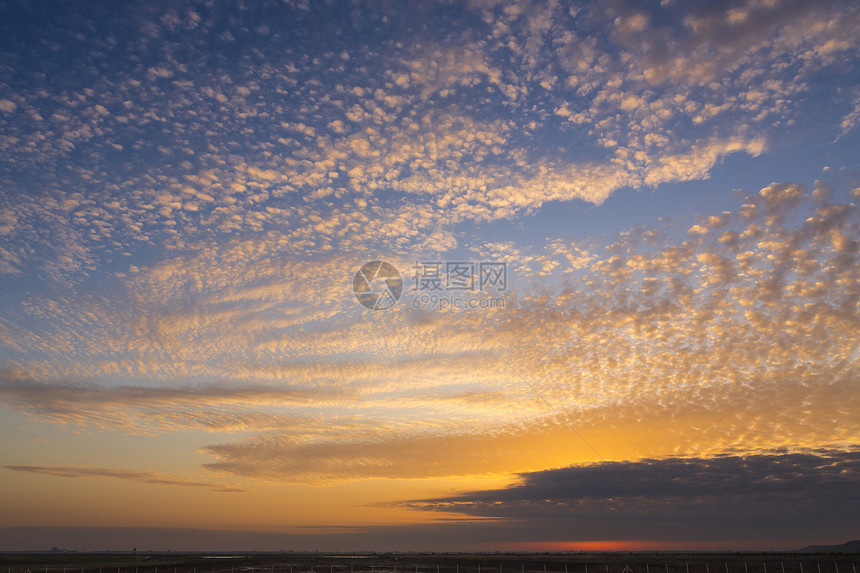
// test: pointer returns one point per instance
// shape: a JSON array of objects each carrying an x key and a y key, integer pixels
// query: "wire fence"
[{"x": 396, "y": 565}]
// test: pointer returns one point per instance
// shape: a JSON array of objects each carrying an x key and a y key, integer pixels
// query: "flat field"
[{"x": 287, "y": 562}]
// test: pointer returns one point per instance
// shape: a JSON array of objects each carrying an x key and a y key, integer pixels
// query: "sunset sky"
[{"x": 620, "y": 305}]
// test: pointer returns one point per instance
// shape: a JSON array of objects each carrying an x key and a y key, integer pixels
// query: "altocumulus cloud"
[
  {"x": 186, "y": 189},
  {"x": 454, "y": 125},
  {"x": 729, "y": 326}
]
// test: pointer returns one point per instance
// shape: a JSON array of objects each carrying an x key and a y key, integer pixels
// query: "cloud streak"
[{"x": 130, "y": 475}]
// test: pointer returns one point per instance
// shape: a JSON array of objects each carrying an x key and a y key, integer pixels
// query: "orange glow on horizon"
[{"x": 622, "y": 545}]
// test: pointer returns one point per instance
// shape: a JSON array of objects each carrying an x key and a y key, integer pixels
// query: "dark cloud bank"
[{"x": 758, "y": 497}]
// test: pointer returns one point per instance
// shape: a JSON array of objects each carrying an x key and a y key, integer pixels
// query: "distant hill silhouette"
[{"x": 849, "y": 547}]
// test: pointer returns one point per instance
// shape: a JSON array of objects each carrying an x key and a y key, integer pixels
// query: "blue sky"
[{"x": 187, "y": 190}]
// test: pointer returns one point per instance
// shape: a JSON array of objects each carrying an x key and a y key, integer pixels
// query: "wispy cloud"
[{"x": 130, "y": 475}]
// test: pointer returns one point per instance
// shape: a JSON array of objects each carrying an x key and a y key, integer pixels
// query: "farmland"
[{"x": 288, "y": 562}]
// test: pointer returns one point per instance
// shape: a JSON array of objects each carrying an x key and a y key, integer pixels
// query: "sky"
[{"x": 449, "y": 276}]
